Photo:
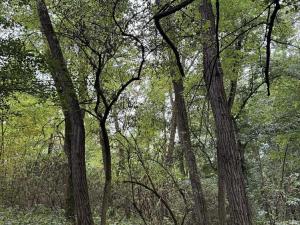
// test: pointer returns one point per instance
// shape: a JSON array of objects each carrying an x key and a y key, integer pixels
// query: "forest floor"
[
  {"x": 37, "y": 216},
  {"x": 41, "y": 215}
]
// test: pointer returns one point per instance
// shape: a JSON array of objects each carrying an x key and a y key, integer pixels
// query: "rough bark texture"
[
  {"x": 221, "y": 175},
  {"x": 69, "y": 191},
  {"x": 221, "y": 192},
  {"x": 106, "y": 155},
  {"x": 70, "y": 105},
  {"x": 229, "y": 155},
  {"x": 200, "y": 210}
]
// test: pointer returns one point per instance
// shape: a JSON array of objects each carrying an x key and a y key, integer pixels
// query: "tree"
[
  {"x": 200, "y": 209},
  {"x": 121, "y": 79},
  {"x": 75, "y": 133},
  {"x": 228, "y": 154}
]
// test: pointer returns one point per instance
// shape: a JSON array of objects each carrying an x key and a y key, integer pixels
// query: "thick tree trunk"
[
  {"x": 181, "y": 165},
  {"x": 106, "y": 155},
  {"x": 221, "y": 193},
  {"x": 70, "y": 106},
  {"x": 229, "y": 155},
  {"x": 221, "y": 175},
  {"x": 200, "y": 210}
]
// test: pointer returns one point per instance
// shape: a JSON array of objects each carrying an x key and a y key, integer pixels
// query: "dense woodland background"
[{"x": 149, "y": 112}]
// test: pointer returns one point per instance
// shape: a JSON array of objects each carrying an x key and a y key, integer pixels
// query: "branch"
[
  {"x": 233, "y": 83},
  {"x": 98, "y": 89},
  {"x": 246, "y": 23},
  {"x": 116, "y": 97},
  {"x": 158, "y": 196},
  {"x": 252, "y": 92},
  {"x": 232, "y": 92},
  {"x": 171, "y": 44},
  {"x": 202, "y": 147},
  {"x": 172, "y": 178},
  {"x": 269, "y": 34},
  {"x": 124, "y": 86},
  {"x": 166, "y": 11},
  {"x": 285, "y": 43},
  {"x": 246, "y": 100},
  {"x": 243, "y": 32}
]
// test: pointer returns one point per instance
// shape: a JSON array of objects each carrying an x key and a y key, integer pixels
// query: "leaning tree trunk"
[
  {"x": 229, "y": 157},
  {"x": 72, "y": 111},
  {"x": 200, "y": 210}
]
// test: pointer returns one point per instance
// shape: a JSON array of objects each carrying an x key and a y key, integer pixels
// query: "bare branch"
[
  {"x": 269, "y": 35},
  {"x": 124, "y": 86},
  {"x": 166, "y": 11},
  {"x": 158, "y": 196},
  {"x": 285, "y": 43},
  {"x": 99, "y": 91}
]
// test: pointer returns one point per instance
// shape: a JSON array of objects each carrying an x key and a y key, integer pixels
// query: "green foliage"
[
  {"x": 38, "y": 215},
  {"x": 33, "y": 165}
]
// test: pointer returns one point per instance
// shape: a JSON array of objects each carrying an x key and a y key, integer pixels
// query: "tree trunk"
[
  {"x": 221, "y": 193},
  {"x": 69, "y": 191},
  {"x": 121, "y": 151},
  {"x": 200, "y": 209},
  {"x": 72, "y": 112},
  {"x": 106, "y": 155},
  {"x": 229, "y": 155},
  {"x": 50, "y": 144},
  {"x": 173, "y": 126},
  {"x": 2, "y": 135}
]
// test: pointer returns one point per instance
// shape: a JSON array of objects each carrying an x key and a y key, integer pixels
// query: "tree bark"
[
  {"x": 173, "y": 125},
  {"x": 121, "y": 151},
  {"x": 2, "y": 135},
  {"x": 200, "y": 210},
  {"x": 72, "y": 112},
  {"x": 69, "y": 191},
  {"x": 229, "y": 156},
  {"x": 221, "y": 192},
  {"x": 106, "y": 155}
]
